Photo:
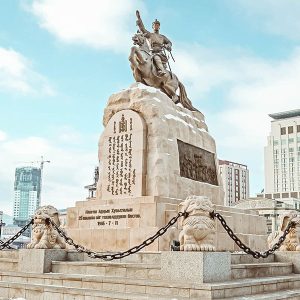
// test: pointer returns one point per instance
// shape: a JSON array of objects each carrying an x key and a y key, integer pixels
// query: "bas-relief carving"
[
  {"x": 196, "y": 163},
  {"x": 198, "y": 227},
  {"x": 123, "y": 159},
  {"x": 44, "y": 236},
  {"x": 291, "y": 242}
]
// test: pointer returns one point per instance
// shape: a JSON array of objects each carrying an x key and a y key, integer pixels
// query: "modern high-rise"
[
  {"x": 235, "y": 179},
  {"x": 282, "y": 156},
  {"x": 27, "y": 193}
]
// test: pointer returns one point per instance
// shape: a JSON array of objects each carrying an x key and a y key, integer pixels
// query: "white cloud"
[
  {"x": 64, "y": 177},
  {"x": 102, "y": 24},
  {"x": 67, "y": 134},
  {"x": 17, "y": 74},
  {"x": 3, "y": 136},
  {"x": 251, "y": 89},
  {"x": 280, "y": 17}
]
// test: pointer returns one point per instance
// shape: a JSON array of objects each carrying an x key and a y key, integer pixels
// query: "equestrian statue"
[{"x": 149, "y": 65}]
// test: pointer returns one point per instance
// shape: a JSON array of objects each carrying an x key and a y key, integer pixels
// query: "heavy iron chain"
[
  {"x": 8, "y": 247},
  {"x": 150, "y": 240},
  {"x": 109, "y": 257},
  {"x": 245, "y": 248},
  {"x": 12, "y": 239}
]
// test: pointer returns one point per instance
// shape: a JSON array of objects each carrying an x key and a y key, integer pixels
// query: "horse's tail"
[{"x": 183, "y": 98}]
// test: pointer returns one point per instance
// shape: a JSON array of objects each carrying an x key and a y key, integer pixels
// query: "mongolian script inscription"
[
  {"x": 197, "y": 163},
  {"x": 123, "y": 156}
]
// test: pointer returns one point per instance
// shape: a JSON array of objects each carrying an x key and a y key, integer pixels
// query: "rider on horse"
[{"x": 157, "y": 42}]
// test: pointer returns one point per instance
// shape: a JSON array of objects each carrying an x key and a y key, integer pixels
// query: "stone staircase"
[{"x": 139, "y": 277}]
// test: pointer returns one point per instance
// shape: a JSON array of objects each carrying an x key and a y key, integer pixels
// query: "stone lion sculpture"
[
  {"x": 291, "y": 242},
  {"x": 198, "y": 226},
  {"x": 43, "y": 235}
]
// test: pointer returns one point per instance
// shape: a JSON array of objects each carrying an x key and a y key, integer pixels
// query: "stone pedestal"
[
  {"x": 289, "y": 256},
  {"x": 198, "y": 267},
  {"x": 167, "y": 144},
  {"x": 152, "y": 155},
  {"x": 113, "y": 225},
  {"x": 39, "y": 260}
]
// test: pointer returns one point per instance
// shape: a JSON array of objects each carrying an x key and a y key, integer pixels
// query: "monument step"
[
  {"x": 9, "y": 264},
  {"x": 140, "y": 257},
  {"x": 9, "y": 254},
  {"x": 130, "y": 270},
  {"x": 254, "y": 286},
  {"x": 48, "y": 292},
  {"x": 243, "y": 258},
  {"x": 285, "y": 294},
  {"x": 260, "y": 270},
  {"x": 156, "y": 288}
]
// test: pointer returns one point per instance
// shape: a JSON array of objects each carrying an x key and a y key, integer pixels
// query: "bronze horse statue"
[{"x": 145, "y": 72}]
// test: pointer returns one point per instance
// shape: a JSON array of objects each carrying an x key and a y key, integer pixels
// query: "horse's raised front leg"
[{"x": 132, "y": 57}]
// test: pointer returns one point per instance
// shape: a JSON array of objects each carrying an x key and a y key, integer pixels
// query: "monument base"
[
  {"x": 118, "y": 225},
  {"x": 153, "y": 154}
]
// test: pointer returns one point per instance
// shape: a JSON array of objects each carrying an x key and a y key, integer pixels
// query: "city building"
[
  {"x": 10, "y": 230},
  {"x": 282, "y": 157},
  {"x": 27, "y": 194},
  {"x": 235, "y": 179},
  {"x": 271, "y": 209}
]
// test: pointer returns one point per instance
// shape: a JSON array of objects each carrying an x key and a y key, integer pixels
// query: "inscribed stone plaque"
[
  {"x": 123, "y": 156},
  {"x": 109, "y": 216},
  {"x": 196, "y": 163}
]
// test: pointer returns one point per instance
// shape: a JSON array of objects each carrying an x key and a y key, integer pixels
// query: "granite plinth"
[
  {"x": 289, "y": 256},
  {"x": 198, "y": 267},
  {"x": 39, "y": 260}
]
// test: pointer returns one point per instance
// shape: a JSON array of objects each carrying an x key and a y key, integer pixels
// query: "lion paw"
[
  {"x": 31, "y": 246},
  {"x": 207, "y": 247},
  {"x": 191, "y": 247},
  {"x": 41, "y": 245}
]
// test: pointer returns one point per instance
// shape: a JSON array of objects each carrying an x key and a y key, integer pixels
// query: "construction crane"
[{"x": 41, "y": 162}]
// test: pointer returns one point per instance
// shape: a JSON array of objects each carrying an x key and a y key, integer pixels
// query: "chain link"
[
  {"x": 107, "y": 256},
  {"x": 8, "y": 247},
  {"x": 245, "y": 248},
  {"x": 12, "y": 239}
]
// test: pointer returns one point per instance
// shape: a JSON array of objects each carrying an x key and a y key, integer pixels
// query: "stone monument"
[{"x": 154, "y": 152}]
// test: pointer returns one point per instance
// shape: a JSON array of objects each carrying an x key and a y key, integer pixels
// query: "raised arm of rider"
[{"x": 142, "y": 28}]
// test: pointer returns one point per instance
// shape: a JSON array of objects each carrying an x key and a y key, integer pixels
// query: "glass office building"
[{"x": 27, "y": 193}]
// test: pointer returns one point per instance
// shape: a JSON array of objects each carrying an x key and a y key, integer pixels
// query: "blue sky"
[{"x": 60, "y": 60}]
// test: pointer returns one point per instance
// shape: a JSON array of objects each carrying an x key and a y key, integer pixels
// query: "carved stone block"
[
  {"x": 196, "y": 163},
  {"x": 123, "y": 173}
]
